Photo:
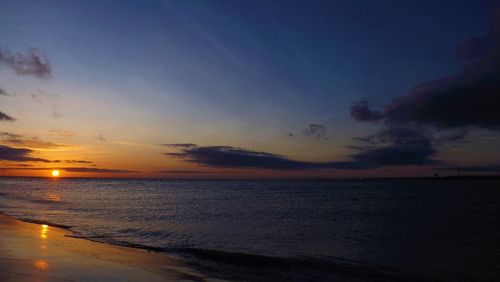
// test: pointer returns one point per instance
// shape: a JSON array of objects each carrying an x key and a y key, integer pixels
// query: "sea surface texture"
[{"x": 393, "y": 230}]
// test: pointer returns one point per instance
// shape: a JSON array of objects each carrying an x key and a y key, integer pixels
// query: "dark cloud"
[
  {"x": 473, "y": 48},
  {"x": 3, "y": 92},
  {"x": 18, "y": 155},
  {"x": 5, "y": 117},
  {"x": 450, "y": 137},
  {"x": 182, "y": 171},
  {"x": 403, "y": 153},
  {"x": 34, "y": 63},
  {"x": 180, "y": 145},
  {"x": 72, "y": 169},
  {"x": 71, "y": 161},
  {"x": 361, "y": 112},
  {"x": 316, "y": 131},
  {"x": 435, "y": 112},
  {"x": 396, "y": 155},
  {"x": 94, "y": 169},
  {"x": 396, "y": 146},
  {"x": 467, "y": 98},
  {"x": 100, "y": 137},
  {"x": 227, "y": 156}
]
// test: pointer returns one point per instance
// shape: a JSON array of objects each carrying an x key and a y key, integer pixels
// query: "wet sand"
[{"x": 37, "y": 252}]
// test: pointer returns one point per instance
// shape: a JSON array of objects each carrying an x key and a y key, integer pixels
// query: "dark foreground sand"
[{"x": 35, "y": 252}]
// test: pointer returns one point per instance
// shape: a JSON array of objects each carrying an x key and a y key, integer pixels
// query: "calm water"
[{"x": 284, "y": 230}]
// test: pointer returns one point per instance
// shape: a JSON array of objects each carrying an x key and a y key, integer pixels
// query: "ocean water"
[{"x": 392, "y": 230}]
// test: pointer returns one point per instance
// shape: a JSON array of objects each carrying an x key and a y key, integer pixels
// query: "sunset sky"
[{"x": 249, "y": 88}]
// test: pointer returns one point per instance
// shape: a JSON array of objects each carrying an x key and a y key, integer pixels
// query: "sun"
[{"x": 55, "y": 173}]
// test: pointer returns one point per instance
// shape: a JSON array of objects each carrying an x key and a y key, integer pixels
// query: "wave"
[
  {"x": 36, "y": 221},
  {"x": 261, "y": 266},
  {"x": 301, "y": 267}
]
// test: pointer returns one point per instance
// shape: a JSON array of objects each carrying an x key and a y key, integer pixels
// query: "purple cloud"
[
  {"x": 34, "y": 63},
  {"x": 18, "y": 155},
  {"x": 368, "y": 157}
]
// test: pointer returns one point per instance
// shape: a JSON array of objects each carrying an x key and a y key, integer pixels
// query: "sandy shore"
[{"x": 36, "y": 252}]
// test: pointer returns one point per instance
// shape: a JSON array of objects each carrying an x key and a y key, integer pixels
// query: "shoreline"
[{"x": 40, "y": 252}]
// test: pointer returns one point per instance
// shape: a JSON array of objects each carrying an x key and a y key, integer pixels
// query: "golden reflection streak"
[{"x": 44, "y": 231}]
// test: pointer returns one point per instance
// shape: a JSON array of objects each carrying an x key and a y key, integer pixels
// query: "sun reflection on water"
[
  {"x": 41, "y": 265},
  {"x": 44, "y": 231},
  {"x": 53, "y": 197}
]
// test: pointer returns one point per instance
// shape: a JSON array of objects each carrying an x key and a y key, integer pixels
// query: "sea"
[{"x": 282, "y": 230}]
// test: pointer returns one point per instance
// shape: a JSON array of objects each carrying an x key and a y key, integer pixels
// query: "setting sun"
[{"x": 55, "y": 173}]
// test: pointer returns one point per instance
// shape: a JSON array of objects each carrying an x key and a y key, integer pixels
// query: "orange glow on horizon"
[{"x": 55, "y": 173}]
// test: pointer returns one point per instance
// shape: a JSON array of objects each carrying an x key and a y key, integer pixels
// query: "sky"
[{"x": 249, "y": 89}]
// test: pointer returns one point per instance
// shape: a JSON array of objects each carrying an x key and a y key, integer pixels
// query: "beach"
[{"x": 38, "y": 252}]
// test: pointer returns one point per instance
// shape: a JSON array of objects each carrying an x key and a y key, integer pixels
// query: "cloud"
[
  {"x": 94, "y": 169},
  {"x": 18, "y": 155},
  {"x": 436, "y": 112},
  {"x": 473, "y": 48},
  {"x": 467, "y": 98},
  {"x": 3, "y": 92},
  {"x": 5, "y": 117},
  {"x": 367, "y": 157},
  {"x": 34, "y": 63},
  {"x": 227, "y": 156},
  {"x": 449, "y": 137},
  {"x": 180, "y": 145},
  {"x": 182, "y": 171},
  {"x": 101, "y": 137},
  {"x": 71, "y": 161},
  {"x": 361, "y": 112},
  {"x": 28, "y": 142},
  {"x": 36, "y": 98},
  {"x": 396, "y": 146},
  {"x": 316, "y": 131},
  {"x": 72, "y": 169}
]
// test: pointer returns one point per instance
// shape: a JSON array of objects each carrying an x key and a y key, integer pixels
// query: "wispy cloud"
[
  {"x": 18, "y": 140},
  {"x": 72, "y": 169},
  {"x": 180, "y": 145},
  {"x": 316, "y": 131},
  {"x": 100, "y": 137},
  {"x": 72, "y": 161},
  {"x": 180, "y": 171},
  {"x": 34, "y": 63}
]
